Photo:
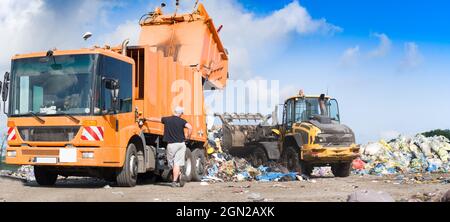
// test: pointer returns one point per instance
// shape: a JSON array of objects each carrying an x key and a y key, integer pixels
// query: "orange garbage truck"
[{"x": 82, "y": 112}]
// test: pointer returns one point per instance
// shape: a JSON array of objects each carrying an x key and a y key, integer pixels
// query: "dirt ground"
[{"x": 317, "y": 189}]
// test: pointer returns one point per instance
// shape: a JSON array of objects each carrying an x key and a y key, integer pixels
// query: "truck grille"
[{"x": 48, "y": 134}]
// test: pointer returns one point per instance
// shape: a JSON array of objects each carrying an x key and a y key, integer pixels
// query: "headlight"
[
  {"x": 11, "y": 154},
  {"x": 319, "y": 139}
]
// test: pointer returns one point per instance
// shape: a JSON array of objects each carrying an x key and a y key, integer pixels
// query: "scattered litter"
[
  {"x": 25, "y": 173},
  {"x": 222, "y": 167},
  {"x": 256, "y": 197},
  {"x": 369, "y": 196},
  {"x": 118, "y": 193},
  {"x": 107, "y": 187},
  {"x": 322, "y": 172},
  {"x": 426, "y": 197},
  {"x": 204, "y": 183},
  {"x": 358, "y": 164},
  {"x": 279, "y": 186}
]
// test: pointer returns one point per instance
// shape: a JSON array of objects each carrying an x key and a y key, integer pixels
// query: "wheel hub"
[
  {"x": 188, "y": 167},
  {"x": 198, "y": 166},
  {"x": 133, "y": 165}
]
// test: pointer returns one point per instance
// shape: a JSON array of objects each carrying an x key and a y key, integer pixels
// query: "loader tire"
[
  {"x": 198, "y": 163},
  {"x": 127, "y": 177},
  {"x": 290, "y": 160},
  {"x": 44, "y": 177},
  {"x": 307, "y": 169},
  {"x": 259, "y": 157},
  {"x": 341, "y": 169}
]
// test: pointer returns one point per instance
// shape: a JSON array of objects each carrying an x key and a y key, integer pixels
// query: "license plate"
[
  {"x": 45, "y": 160},
  {"x": 68, "y": 155}
]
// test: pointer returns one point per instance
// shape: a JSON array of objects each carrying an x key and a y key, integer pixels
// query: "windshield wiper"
[
  {"x": 42, "y": 121},
  {"x": 71, "y": 117}
]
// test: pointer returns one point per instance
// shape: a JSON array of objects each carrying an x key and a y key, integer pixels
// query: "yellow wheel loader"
[{"x": 310, "y": 135}]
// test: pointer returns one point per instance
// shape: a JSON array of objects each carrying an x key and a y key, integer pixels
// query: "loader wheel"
[
  {"x": 198, "y": 163},
  {"x": 291, "y": 160},
  {"x": 44, "y": 177},
  {"x": 307, "y": 169},
  {"x": 341, "y": 169},
  {"x": 259, "y": 157},
  {"x": 127, "y": 177}
]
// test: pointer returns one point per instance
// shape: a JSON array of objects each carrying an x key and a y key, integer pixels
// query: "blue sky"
[{"x": 387, "y": 62}]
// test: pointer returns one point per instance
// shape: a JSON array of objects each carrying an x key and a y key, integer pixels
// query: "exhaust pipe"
[{"x": 124, "y": 46}]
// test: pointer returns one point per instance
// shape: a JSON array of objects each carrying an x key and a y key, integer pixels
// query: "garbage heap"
[
  {"x": 25, "y": 173},
  {"x": 222, "y": 167},
  {"x": 403, "y": 155}
]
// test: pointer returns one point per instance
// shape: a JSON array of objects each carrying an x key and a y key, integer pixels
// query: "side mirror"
[
  {"x": 4, "y": 88},
  {"x": 113, "y": 86}
]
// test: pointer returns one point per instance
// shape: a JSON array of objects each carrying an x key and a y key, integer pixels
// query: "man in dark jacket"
[{"x": 176, "y": 147}]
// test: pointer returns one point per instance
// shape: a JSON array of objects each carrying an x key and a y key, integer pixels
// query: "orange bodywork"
[{"x": 162, "y": 79}]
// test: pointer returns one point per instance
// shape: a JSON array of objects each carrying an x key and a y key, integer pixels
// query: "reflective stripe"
[
  {"x": 92, "y": 133},
  {"x": 11, "y": 134}
]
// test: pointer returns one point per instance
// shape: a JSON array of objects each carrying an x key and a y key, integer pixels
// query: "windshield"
[
  {"x": 305, "y": 109},
  {"x": 53, "y": 85}
]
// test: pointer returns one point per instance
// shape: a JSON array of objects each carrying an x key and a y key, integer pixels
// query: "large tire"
[
  {"x": 290, "y": 160},
  {"x": 44, "y": 177},
  {"x": 259, "y": 157},
  {"x": 307, "y": 169},
  {"x": 198, "y": 163},
  {"x": 188, "y": 167},
  {"x": 341, "y": 169},
  {"x": 127, "y": 177}
]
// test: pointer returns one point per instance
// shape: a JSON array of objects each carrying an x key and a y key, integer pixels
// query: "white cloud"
[
  {"x": 128, "y": 30},
  {"x": 39, "y": 25},
  {"x": 250, "y": 38},
  {"x": 384, "y": 46},
  {"x": 350, "y": 57},
  {"x": 413, "y": 57}
]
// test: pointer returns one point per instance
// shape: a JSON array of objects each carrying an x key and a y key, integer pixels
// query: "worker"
[{"x": 176, "y": 147}]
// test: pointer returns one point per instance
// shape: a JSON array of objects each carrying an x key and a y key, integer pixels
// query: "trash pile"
[
  {"x": 23, "y": 173},
  {"x": 403, "y": 155},
  {"x": 222, "y": 167}
]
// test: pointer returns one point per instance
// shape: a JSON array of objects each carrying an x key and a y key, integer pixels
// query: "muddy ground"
[{"x": 324, "y": 189}]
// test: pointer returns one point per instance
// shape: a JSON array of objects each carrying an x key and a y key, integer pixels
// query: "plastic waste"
[{"x": 405, "y": 155}]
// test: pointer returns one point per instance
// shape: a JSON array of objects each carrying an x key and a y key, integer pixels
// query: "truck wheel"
[
  {"x": 44, "y": 177},
  {"x": 259, "y": 157},
  {"x": 341, "y": 169},
  {"x": 188, "y": 167},
  {"x": 198, "y": 163},
  {"x": 127, "y": 177},
  {"x": 290, "y": 160}
]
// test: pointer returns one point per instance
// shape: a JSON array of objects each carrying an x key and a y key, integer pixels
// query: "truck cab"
[{"x": 71, "y": 110}]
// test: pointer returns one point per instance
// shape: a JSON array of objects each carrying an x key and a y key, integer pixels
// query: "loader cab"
[{"x": 303, "y": 109}]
